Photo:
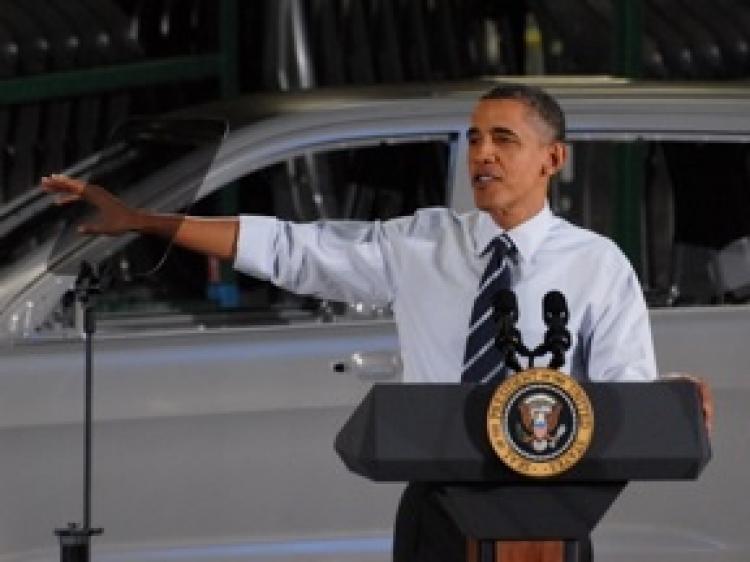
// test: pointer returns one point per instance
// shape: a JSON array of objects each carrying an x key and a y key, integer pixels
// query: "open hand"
[{"x": 114, "y": 216}]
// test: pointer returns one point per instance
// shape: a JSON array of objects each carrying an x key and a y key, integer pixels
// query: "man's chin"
[{"x": 485, "y": 203}]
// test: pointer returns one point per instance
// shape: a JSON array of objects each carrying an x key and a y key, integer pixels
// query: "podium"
[{"x": 437, "y": 434}]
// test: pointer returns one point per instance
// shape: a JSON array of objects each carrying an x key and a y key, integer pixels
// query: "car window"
[
  {"x": 380, "y": 179},
  {"x": 137, "y": 149},
  {"x": 693, "y": 201},
  {"x": 693, "y": 242}
]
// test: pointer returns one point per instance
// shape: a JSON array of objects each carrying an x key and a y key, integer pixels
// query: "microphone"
[
  {"x": 557, "y": 339},
  {"x": 555, "y": 309},
  {"x": 508, "y": 338},
  {"x": 506, "y": 307}
]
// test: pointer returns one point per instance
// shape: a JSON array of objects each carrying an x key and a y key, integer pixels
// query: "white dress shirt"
[{"x": 428, "y": 267}]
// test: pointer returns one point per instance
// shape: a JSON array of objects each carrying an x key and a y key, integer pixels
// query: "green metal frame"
[
  {"x": 222, "y": 65},
  {"x": 629, "y": 53},
  {"x": 228, "y": 46},
  {"x": 229, "y": 38},
  {"x": 630, "y": 180},
  {"x": 101, "y": 79}
]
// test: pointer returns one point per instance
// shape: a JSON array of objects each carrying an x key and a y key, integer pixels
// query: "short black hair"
[{"x": 543, "y": 104}]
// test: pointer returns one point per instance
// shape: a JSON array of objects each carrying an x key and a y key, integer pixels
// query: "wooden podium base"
[
  {"x": 516, "y": 551},
  {"x": 425, "y": 532}
]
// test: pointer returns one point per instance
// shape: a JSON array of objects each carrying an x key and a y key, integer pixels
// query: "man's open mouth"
[{"x": 485, "y": 178}]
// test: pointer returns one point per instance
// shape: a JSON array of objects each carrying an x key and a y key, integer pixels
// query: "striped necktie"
[{"x": 482, "y": 360}]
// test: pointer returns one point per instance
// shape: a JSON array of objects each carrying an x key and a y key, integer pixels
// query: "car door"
[
  {"x": 217, "y": 394},
  {"x": 685, "y": 155}
]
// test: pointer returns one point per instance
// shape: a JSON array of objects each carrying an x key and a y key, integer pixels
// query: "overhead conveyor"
[{"x": 68, "y": 71}]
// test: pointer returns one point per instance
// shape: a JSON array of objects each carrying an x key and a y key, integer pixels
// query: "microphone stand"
[
  {"x": 74, "y": 539},
  {"x": 556, "y": 343},
  {"x": 509, "y": 341}
]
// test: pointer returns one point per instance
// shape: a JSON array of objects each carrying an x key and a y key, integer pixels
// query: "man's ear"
[{"x": 557, "y": 156}]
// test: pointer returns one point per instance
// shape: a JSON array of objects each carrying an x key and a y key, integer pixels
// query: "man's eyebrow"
[
  {"x": 503, "y": 131},
  {"x": 494, "y": 131}
]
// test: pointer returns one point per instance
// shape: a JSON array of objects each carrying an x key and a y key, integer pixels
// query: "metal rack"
[{"x": 222, "y": 65}]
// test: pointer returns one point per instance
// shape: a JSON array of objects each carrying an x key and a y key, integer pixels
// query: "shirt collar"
[{"x": 527, "y": 236}]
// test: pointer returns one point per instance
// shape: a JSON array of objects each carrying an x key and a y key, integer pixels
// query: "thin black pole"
[
  {"x": 74, "y": 540},
  {"x": 88, "y": 393}
]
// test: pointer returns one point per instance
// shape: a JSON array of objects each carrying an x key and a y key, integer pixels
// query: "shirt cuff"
[{"x": 255, "y": 240}]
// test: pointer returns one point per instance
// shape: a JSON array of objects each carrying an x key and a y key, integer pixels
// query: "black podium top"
[{"x": 437, "y": 433}]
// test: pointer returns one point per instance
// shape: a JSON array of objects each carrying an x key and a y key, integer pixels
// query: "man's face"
[{"x": 512, "y": 155}]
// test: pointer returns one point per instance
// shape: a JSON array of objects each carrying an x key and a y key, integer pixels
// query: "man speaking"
[
  {"x": 433, "y": 267},
  {"x": 439, "y": 270}
]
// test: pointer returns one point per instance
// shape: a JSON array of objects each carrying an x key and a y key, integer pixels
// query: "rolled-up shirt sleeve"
[
  {"x": 336, "y": 260},
  {"x": 621, "y": 346}
]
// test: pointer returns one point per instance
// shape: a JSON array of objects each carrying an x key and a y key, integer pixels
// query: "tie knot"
[
  {"x": 503, "y": 246},
  {"x": 502, "y": 250}
]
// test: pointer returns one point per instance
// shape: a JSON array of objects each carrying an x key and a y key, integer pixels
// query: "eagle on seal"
[{"x": 540, "y": 418}]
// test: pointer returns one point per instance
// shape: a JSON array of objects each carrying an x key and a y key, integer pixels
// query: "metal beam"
[
  {"x": 629, "y": 188},
  {"x": 106, "y": 78},
  {"x": 226, "y": 291},
  {"x": 228, "y": 47},
  {"x": 629, "y": 37}
]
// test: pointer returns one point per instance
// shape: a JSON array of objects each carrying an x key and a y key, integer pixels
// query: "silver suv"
[{"x": 217, "y": 397}]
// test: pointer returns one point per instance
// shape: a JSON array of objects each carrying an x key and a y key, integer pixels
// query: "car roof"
[
  {"x": 580, "y": 94},
  {"x": 247, "y": 109},
  {"x": 658, "y": 108}
]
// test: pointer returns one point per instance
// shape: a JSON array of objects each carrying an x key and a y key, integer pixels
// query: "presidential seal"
[{"x": 540, "y": 422}]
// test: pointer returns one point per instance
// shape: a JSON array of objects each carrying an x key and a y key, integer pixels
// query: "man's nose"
[{"x": 483, "y": 150}]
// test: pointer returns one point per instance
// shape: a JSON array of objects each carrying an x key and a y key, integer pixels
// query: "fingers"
[
  {"x": 707, "y": 400},
  {"x": 65, "y": 199},
  {"x": 113, "y": 213},
  {"x": 93, "y": 229},
  {"x": 65, "y": 189},
  {"x": 60, "y": 183},
  {"x": 705, "y": 394}
]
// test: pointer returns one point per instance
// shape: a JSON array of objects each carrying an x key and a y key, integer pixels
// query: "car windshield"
[{"x": 137, "y": 150}]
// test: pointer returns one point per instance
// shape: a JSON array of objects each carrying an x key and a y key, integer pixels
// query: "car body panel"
[{"x": 218, "y": 441}]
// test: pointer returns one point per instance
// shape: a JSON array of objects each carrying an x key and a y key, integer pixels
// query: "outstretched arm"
[{"x": 210, "y": 236}]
